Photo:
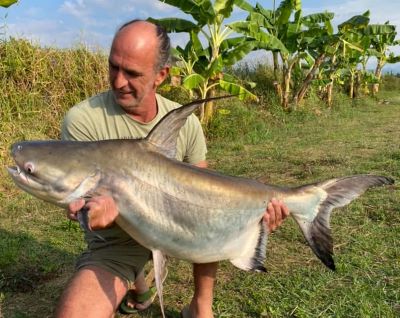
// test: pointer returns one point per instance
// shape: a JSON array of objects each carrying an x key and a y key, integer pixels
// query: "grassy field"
[{"x": 38, "y": 245}]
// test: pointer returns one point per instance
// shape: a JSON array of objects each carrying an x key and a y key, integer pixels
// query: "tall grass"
[{"x": 38, "y": 85}]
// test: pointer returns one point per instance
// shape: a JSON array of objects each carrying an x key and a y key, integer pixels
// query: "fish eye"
[{"x": 29, "y": 167}]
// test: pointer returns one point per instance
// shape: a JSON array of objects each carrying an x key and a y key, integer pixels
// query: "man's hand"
[
  {"x": 102, "y": 211},
  {"x": 275, "y": 213}
]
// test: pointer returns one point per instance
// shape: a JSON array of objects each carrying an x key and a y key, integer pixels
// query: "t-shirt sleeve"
[
  {"x": 77, "y": 125},
  {"x": 196, "y": 148}
]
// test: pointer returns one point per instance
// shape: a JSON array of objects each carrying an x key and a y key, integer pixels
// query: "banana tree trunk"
[
  {"x": 310, "y": 76},
  {"x": 329, "y": 94},
  {"x": 286, "y": 88},
  {"x": 277, "y": 85},
  {"x": 278, "y": 91},
  {"x": 329, "y": 88},
  {"x": 351, "y": 86},
  {"x": 276, "y": 65},
  {"x": 378, "y": 75},
  {"x": 208, "y": 108},
  {"x": 357, "y": 85},
  {"x": 287, "y": 76},
  {"x": 202, "y": 92}
]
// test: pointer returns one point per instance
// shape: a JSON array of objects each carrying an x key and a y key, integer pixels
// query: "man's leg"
[
  {"x": 141, "y": 286},
  {"x": 92, "y": 292},
  {"x": 204, "y": 278}
]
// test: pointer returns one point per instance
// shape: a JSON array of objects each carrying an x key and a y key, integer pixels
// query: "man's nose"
[{"x": 119, "y": 79}]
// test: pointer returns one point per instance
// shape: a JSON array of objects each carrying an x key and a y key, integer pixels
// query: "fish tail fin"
[
  {"x": 254, "y": 257},
  {"x": 313, "y": 211}
]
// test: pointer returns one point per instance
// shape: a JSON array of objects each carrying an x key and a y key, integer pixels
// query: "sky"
[{"x": 64, "y": 24}]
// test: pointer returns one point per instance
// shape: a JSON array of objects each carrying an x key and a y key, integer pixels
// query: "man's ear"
[{"x": 161, "y": 75}]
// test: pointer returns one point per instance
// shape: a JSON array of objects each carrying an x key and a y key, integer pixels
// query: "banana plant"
[
  {"x": 382, "y": 36},
  {"x": 287, "y": 34},
  {"x": 202, "y": 68},
  {"x": 346, "y": 50},
  {"x": 357, "y": 50},
  {"x": 7, "y": 3},
  {"x": 321, "y": 42}
]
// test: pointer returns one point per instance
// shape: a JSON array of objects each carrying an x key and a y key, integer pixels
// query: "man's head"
[{"x": 138, "y": 63}]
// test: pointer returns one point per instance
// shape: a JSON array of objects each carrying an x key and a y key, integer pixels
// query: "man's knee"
[{"x": 92, "y": 292}]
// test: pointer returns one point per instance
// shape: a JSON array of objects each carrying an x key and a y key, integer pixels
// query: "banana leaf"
[
  {"x": 193, "y": 81},
  {"x": 7, "y": 3},
  {"x": 224, "y": 7},
  {"x": 175, "y": 24},
  {"x": 238, "y": 53},
  {"x": 235, "y": 89}
]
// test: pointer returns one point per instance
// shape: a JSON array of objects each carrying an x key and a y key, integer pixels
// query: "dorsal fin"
[{"x": 164, "y": 134}]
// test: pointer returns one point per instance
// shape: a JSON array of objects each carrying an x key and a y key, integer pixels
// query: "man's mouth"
[{"x": 121, "y": 93}]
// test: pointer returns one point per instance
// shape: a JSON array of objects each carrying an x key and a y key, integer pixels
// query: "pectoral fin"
[
  {"x": 254, "y": 250},
  {"x": 83, "y": 219}
]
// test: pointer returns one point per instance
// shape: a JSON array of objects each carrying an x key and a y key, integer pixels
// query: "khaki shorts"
[{"x": 118, "y": 254}]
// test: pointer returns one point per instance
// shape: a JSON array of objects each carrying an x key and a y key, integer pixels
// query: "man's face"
[{"x": 132, "y": 73}]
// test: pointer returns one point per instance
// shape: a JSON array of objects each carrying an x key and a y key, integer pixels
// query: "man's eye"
[
  {"x": 132, "y": 74},
  {"x": 113, "y": 66}
]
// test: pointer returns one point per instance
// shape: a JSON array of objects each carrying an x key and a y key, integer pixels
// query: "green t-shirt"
[{"x": 101, "y": 118}]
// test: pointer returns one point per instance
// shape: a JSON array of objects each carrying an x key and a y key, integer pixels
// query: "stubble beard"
[{"x": 130, "y": 104}]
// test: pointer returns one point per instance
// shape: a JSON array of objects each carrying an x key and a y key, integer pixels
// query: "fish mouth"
[
  {"x": 16, "y": 172},
  {"x": 13, "y": 170},
  {"x": 22, "y": 179},
  {"x": 33, "y": 185}
]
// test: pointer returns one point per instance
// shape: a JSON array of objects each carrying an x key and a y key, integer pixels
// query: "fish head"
[{"x": 55, "y": 171}]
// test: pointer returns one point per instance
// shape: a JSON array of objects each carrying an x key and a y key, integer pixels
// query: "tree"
[
  {"x": 202, "y": 68},
  {"x": 382, "y": 36},
  {"x": 288, "y": 35}
]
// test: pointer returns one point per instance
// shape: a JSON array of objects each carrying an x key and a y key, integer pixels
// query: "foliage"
[
  {"x": 202, "y": 69},
  {"x": 307, "y": 54},
  {"x": 292, "y": 36},
  {"x": 7, "y": 3},
  {"x": 38, "y": 85}
]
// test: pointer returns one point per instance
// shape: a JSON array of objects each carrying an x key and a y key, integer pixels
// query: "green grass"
[{"x": 38, "y": 245}]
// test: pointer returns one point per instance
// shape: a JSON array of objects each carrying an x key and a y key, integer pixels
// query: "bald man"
[{"x": 107, "y": 270}]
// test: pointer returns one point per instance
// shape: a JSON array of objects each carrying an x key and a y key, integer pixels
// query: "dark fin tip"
[
  {"x": 254, "y": 258},
  {"x": 260, "y": 250},
  {"x": 321, "y": 239},
  {"x": 83, "y": 218}
]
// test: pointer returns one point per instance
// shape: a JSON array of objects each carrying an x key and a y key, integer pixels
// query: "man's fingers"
[
  {"x": 285, "y": 211},
  {"x": 276, "y": 212},
  {"x": 75, "y": 206},
  {"x": 271, "y": 217},
  {"x": 72, "y": 216}
]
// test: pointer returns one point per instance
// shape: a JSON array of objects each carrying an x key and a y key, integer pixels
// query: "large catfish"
[{"x": 177, "y": 209}]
